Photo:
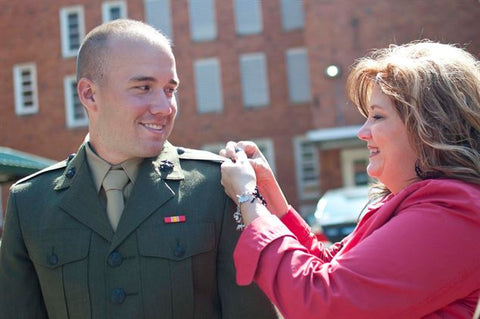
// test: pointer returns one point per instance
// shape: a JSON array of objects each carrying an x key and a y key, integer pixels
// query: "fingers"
[
  {"x": 229, "y": 150},
  {"x": 240, "y": 155}
]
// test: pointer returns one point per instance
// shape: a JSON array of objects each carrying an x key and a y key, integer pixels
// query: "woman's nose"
[{"x": 364, "y": 132}]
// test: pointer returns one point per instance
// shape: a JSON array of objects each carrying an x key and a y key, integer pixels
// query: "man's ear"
[{"x": 86, "y": 94}]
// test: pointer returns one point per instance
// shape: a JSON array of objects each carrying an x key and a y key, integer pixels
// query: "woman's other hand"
[
  {"x": 238, "y": 176},
  {"x": 265, "y": 179}
]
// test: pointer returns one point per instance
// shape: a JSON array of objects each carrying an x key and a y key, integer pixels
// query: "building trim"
[{"x": 336, "y": 137}]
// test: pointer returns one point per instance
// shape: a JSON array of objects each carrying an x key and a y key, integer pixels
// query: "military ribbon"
[{"x": 174, "y": 219}]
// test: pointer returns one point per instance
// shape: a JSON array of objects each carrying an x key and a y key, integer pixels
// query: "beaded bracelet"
[{"x": 243, "y": 198}]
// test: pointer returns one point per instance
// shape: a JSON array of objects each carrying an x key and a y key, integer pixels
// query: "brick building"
[{"x": 249, "y": 69}]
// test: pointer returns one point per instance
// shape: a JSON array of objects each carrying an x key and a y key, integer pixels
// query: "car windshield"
[{"x": 341, "y": 205}]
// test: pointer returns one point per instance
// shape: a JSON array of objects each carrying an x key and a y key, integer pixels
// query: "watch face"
[{"x": 245, "y": 198}]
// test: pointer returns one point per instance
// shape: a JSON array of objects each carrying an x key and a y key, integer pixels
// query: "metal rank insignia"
[
  {"x": 175, "y": 219},
  {"x": 166, "y": 166}
]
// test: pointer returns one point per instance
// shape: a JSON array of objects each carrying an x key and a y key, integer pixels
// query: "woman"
[{"x": 415, "y": 253}]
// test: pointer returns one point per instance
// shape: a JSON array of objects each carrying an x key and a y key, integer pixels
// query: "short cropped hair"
[
  {"x": 435, "y": 88},
  {"x": 92, "y": 59}
]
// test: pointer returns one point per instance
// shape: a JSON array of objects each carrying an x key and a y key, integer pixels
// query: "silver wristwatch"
[{"x": 246, "y": 197}]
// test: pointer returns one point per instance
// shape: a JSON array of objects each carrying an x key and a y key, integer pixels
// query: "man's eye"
[{"x": 144, "y": 87}]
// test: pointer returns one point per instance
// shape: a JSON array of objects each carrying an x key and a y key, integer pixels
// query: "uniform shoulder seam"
[
  {"x": 50, "y": 168},
  {"x": 196, "y": 154}
]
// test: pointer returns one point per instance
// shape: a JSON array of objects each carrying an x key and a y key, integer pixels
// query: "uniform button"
[
  {"x": 70, "y": 172},
  {"x": 115, "y": 259},
  {"x": 70, "y": 156},
  {"x": 53, "y": 259},
  {"x": 180, "y": 151},
  {"x": 118, "y": 295},
  {"x": 179, "y": 251}
]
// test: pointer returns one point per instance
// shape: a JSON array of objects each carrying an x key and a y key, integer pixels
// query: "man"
[{"x": 168, "y": 252}]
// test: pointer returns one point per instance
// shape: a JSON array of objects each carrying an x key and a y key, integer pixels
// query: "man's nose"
[{"x": 161, "y": 104}]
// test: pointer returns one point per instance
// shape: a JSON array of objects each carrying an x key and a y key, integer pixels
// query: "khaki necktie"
[{"x": 113, "y": 183}]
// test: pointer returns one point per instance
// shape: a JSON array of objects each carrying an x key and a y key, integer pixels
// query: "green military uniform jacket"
[{"x": 61, "y": 259}]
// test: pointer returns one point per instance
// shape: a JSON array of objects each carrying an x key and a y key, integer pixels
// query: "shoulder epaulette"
[
  {"x": 194, "y": 154},
  {"x": 59, "y": 165}
]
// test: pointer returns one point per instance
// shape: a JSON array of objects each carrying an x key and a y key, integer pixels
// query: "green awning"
[{"x": 15, "y": 164}]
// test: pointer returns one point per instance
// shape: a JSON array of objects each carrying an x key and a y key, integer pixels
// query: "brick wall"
[{"x": 335, "y": 32}]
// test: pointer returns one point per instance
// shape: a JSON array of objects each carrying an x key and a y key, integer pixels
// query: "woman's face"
[{"x": 391, "y": 159}]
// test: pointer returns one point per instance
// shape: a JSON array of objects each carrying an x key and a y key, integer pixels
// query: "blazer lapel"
[
  {"x": 150, "y": 191},
  {"x": 81, "y": 199}
]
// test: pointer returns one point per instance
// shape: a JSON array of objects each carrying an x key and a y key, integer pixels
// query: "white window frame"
[
  {"x": 67, "y": 52},
  {"x": 307, "y": 188},
  {"x": 70, "y": 91},
  {"x": 348, "y": 158},
  {"x": 296, "y": 75},
  {"x": 202, "y": 93},
  {"x": 256, "y": 84},
  {"x": 107, "y": 6},
  {"x": 265, "y": 145},
  {"x": 20, "y": 88},
  {"x": 162, "y": 20},
  {"x": 202, "y": 28},
  {"x": 247, "y": 27},
  {"x": 288, "y": 12}
]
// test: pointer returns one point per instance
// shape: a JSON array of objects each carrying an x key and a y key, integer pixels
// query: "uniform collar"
[
  {"x": 99, "y": 167},
  {"x": 165, "y": 166}
]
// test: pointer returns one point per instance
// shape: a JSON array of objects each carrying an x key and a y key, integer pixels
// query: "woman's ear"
[{"x": 86, "y": 94}]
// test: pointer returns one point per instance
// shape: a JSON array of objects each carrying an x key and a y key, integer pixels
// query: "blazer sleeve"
[
  {"x": 423, "y": 257},
  {"x": 20, "y": 292},
  {"x": 237, "y": 301},
  {"x": 302, "y": 231}
]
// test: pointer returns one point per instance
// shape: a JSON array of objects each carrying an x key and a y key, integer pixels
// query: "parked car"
[{"x": 338, "y": 211}]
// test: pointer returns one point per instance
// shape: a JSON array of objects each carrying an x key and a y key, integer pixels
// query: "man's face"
[{"x": 135, "y": 103}]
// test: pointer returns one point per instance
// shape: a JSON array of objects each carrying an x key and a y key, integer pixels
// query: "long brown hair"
[{"x": 436, "y": 90}]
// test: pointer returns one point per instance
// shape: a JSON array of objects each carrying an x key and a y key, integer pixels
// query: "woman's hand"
[
  {"x": 265, "y": 179},
  {"x": 238, "y": 177},
  {"x": 257, "y": 160}
]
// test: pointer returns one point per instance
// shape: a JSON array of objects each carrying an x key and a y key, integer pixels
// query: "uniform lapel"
[
  {"x": 81, "y": 199},
  {"x": 150, "y": 191}
]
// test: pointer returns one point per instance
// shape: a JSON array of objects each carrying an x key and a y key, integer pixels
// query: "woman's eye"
[{"x": 377, "y": 117}]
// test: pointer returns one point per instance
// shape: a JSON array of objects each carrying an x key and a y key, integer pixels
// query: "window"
[
  {"x": 292, "y": 14},
  {"x": 354, "y": 167},
  {"x": 202, "y": 20},
  {"x": 265, "y": 146},
  {"x": 72, "y": 30},
  {"x": 76, "y": 115},
  {"x": 112, "y": 10},
  {"x": 26, "y": 94},
  {"x": 248, "y": 16},
  {"x": 298, "y": 75},
  {"x": 158, "y": 15},
  {"x": 208, "y": 86},
  {"x": 307, "y": 168},
  {"x": 253, "y": 72}
]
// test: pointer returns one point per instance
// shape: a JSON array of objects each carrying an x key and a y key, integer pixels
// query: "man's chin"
[{"x": 153, "y": 149}]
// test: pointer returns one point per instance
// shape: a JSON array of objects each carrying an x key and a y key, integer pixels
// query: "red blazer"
[{"x": 415, "y": 255}]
